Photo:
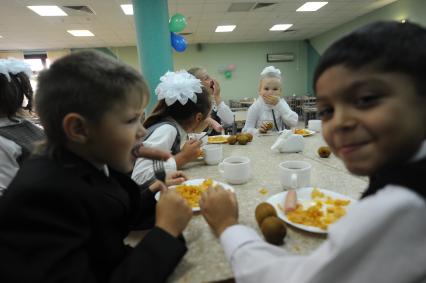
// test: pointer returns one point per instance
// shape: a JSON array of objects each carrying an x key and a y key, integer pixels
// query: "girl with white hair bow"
[
  {"x": 270, "y": 111},
  {"x": 17, "y": 135},
  {"x": 183, "y": 107}
]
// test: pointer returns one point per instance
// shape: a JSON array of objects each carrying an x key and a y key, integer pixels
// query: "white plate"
[
  {"x": 304, "y": 197},
  {"x": 198, "y": 182},
  {"x": 224, "y": 136},
  {"x": 309, "y": 133}
]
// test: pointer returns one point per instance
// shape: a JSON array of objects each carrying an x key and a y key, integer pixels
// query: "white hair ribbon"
[
  {"x": 179, "y": 85},
  {"x": 14, "y": 66},
  {"x": 271, "y": 70}
]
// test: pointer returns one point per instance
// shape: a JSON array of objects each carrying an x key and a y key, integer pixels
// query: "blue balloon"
[{"x": 178, "y": 42}]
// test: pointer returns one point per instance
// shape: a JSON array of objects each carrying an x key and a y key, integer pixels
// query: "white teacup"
[
  {"x": 295, "y": 174},
  {"x": 213, "y": 154},
  {"x": 235, "y": 169},
  {"x": 315, "y": 125}
]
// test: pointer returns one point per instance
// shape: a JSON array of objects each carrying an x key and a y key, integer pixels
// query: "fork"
[
  {"x": 209, "y": 131},
  {"x": 159, "y": 171}
]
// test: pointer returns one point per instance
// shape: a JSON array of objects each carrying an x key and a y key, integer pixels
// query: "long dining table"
[{"x": 205, "y": 260}]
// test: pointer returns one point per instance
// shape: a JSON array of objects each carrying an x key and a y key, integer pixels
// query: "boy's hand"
[
  {"x": 214, "y": 124},
  {"x": 271, "y": 99},
  {"x": 175, "y": 178},
  {"x": 220, "y": 208},
  {"x": 151, "y": 153},
  {"x": 172, "y": 213},
  {"x": 216, "y": 91},
  {"x": 264, "y": 128}
]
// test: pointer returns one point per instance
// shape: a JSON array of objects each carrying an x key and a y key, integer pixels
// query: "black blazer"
[{"x": 65, "y": 221}]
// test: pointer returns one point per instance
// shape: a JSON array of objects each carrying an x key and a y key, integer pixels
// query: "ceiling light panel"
[
  {"x": 228, "y": 28},
  {"x": 127, "y": 9},
  {"x": 48, "y": 11},
  {"x": 80, "y": 32},
  {"x": 281, "y": 27},
  {"x": 311, "y": 6}
]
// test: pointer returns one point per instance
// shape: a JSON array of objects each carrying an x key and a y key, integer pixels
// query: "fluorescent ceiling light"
[
  {"x": 80, "y": 32},
  {"x": 127, "y": 9},
  {"x": 281, "y": 27},
  {"x": 225, "y": 28},
  {"x": 311, "y": 6},
  {"x": 48, "y": 10}
]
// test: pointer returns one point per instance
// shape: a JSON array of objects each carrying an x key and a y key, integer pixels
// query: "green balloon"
[
  {"x": 228, "y": 74},
  {"x": 177, "y": 23}
]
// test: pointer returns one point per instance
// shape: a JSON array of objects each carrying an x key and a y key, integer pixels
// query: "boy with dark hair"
[
  {"x": 370, "y": 88},
  {"x": 65, "y": 215}
]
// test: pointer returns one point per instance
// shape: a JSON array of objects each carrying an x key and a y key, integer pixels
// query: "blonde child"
[
  {"x": 372, "y": 103},
  {"x": 270, "y": 111},
  {"x": 17, "y": 134},
  {"x": 183, "y": 108},
  {"x": 65, "y": 215},
  {"x": 221, "y": 115}
]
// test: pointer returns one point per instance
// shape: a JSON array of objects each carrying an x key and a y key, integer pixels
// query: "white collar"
[
  {"x": 4, "y": 121},
  {"x": 421, "y": 152}
]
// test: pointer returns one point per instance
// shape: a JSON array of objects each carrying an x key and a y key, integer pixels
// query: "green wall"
[
  {"x": 249, "y": 59},
  {"x": 412, "y": 10}
]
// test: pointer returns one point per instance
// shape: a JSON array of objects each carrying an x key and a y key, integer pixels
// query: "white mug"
[
  {"x": 235, "y": 169},
  {"x": 213, "y": 154},
  {"x": 314, "y": 125},
  {"x": 295, "y": 174}
]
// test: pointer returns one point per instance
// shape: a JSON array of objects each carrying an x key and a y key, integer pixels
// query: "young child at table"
[
  {"x": 372, "y": 103},
  {"x": 221, "y": 115},
  {"x": 183, "y": 107},
  {"x": 269, "y": 112},
  {"x": 65, "y": 214},
  {"x": 17, "y": 134}
]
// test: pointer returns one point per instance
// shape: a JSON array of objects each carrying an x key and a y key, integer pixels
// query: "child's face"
[
  {"x": 270, "y": 86},
  {"x": 113, "y": 138},
  {"x": 371, "y": 119},
  {"x": 205, "y": 78}
]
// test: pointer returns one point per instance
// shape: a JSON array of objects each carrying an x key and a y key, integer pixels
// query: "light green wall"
[
  {"x": 249, "y": 59},
  {"x": 413, "y": 10}
]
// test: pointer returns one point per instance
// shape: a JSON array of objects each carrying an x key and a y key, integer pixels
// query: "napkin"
[{"x": 288, "y": 142}]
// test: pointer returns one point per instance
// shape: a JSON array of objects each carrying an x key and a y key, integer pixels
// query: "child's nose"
[
  {"x": 140, "y": 132},
  {"x": 343, "y": 118}
]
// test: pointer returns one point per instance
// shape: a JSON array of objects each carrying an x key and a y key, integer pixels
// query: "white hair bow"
[
  {"x": 179, "y": 85},
  {"x": 270, "y": 69},
  {"x": 14, "y": 66}
]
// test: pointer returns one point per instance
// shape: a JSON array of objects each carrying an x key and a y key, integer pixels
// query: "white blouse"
[
  {"x": 259, "y": 112},
  {"x": 162, "y": 138},
  {"x": 382, "y": 239},
  {"x": 224, "y": 113}
]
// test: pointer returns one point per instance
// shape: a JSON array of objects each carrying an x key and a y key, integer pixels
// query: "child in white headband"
[
  {"x": 269, "y": 112},
  {"x": 17, "y": 135},
  {"x": 183, "y": 107}
]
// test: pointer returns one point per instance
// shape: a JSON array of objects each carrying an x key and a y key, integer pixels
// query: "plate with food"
[
  {"x": 314, "y": 210},
  {"x": 191, "y": 190},
  {"x": 303, "y": 132},
  {"x": 218, "y": 139}
]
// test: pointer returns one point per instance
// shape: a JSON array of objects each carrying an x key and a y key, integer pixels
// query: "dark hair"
[
  {"x": 387, "y": 45},
  {"x": 12, "y": 94},
  {"x": 181, "y": 113},
  {"x": 88, "y": 83}
]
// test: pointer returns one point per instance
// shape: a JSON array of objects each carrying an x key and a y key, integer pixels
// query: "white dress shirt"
[
  {"x": 259, "y": 112},
  {"x": 9, "y": 152},
  {"x": 382, "y": 239},
  {"x": 162, "y": 138},
  {"x": 224, "y": 113}
]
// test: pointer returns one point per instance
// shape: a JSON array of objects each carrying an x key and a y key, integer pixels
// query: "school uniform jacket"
[{"x": 65, "y": 221}]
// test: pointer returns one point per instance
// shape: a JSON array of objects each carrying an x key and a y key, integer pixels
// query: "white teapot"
[{"x": 288, "y": 142}]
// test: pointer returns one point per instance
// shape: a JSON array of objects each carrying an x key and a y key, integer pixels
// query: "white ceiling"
[{"x": 21, "y": 28}]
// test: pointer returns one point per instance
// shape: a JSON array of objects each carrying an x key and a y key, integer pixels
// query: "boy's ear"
[{"x": 75, "y": 128}]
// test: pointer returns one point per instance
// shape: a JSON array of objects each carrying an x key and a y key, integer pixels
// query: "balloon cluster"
[
  {"x": 227, "y": 70},
  {"x": 177, "y": 23}
]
